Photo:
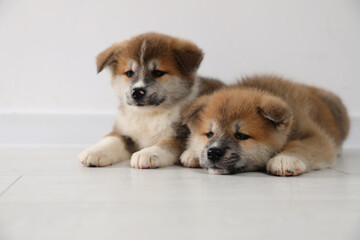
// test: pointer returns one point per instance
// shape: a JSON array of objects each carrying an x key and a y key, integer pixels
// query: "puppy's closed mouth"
[
  {"x": 149, "y": 103},
  {"x": 139, "y": 104},
  {"x": 155, "y": 102}
]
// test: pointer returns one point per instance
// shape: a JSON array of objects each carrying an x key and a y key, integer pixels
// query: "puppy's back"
[
  {"x": 321, "y": 106},
  {"x": 338, "y": 110},
  {"x": 209, "y": 85}
]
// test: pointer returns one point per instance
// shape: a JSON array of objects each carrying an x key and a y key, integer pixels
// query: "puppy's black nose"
[
  {"x": 138, "y": 93},
  {"x": 214, "y": 154}
]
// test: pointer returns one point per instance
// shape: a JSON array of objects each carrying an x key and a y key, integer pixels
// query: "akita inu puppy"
[
  {"x": 265, "y": 122},
  {"x": 154, "y": 76}
]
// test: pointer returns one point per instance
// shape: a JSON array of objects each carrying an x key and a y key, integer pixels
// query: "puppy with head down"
[
  {"x": 265, "y": 123},
  {"x": 154, "y": 77}
]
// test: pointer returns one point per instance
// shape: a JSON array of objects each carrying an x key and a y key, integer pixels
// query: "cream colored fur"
[
  {"x": 190, "y": 157},
  {"x": 107, "y": 151}
]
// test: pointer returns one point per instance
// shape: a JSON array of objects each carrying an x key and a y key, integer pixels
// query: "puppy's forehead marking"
[
  {"x": 142, "y": 52},
  {"x": 212, "y": 126},
  {"x": 132, "y": 65},
  {"x": 153, "y": 64},
  {"x": 237, "y": 127}
]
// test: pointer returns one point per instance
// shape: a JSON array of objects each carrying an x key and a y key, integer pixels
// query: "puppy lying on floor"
[
  {"x": 154, "y": 76},
  {"x": 265, "y": 122}
]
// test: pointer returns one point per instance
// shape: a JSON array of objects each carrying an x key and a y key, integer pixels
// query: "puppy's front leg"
[
  {"x": 299, "y": 156},
  {"x": 190, "y": 157},
  {"x": 164, "y": 153},
  {"x": 110, "y": 150}
]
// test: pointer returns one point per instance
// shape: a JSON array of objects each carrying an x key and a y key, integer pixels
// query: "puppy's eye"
[
  {"x": 209, "y": 134},
  {"x": 241, "y": 136},
  {"x": 158, "y": 73},
  {"x": 129, "y": 73}
]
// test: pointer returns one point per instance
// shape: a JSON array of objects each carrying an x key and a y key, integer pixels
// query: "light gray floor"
[{"x": 46, "y": 194}]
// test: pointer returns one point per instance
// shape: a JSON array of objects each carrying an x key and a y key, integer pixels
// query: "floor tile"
[
  {"x": 349, "y": 161},
  {"x": 182, "y": 220},
  {"x": 52, "y": 196},
  {"x": 179, "y": 184},
  {"x": 6, "y": 182}
]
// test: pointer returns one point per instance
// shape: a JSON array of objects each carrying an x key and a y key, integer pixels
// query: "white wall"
[{"x": 48, "y": 48}]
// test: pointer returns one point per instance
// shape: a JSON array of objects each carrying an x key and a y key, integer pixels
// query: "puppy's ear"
[
  {"x": 276, "y": 111},
  {"x": 190, "y": 110},
  {"x": 109, "y": 56},
  {"x": 188, "y": 56}
]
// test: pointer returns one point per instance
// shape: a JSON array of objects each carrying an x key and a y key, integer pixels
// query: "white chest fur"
[{"x": 147, "y": 126}]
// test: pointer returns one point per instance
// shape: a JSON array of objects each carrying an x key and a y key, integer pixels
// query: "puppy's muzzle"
[
  {"x": 215, "y": 154},
  {"x": 138, "y": 93}
]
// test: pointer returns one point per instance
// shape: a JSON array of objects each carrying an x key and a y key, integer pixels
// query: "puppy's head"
[
  {"x": 237, "y": 129},
  {"x": 152, "y": 69}
]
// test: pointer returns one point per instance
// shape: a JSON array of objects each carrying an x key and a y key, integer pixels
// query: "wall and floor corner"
[{"x": 81, "y": 129}]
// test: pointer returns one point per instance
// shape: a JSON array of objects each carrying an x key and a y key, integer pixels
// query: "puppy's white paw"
[
  {"x": 190, "y": 159},
  {"x": 285, "y": 165},
  {"x": 152, "y": 157},
  {"x": 108, "y": 151},
  {"x": 94, "y": 158}
]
